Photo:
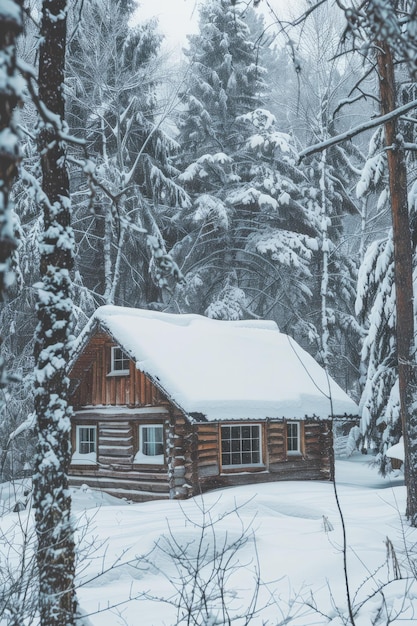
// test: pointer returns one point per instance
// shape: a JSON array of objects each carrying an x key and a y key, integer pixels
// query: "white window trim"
[
  {"x": 243, "y": 465},
  {"x": 145, "y": 459},
  {"x": 298, "y": 451},
  {"x": 114, "y": 372},
  {"x": 89, "y": 458}
]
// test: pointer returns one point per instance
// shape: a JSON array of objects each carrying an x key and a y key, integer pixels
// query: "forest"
[
  {"x": 201, "y": 162},
  {"x": 270, "y": 173}
]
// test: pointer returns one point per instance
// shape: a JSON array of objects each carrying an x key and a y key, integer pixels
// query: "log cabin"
[{"x": 170, "y": 406}]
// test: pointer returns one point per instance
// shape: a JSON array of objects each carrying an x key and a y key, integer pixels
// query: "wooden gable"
[{"x": 92, "y": 384}]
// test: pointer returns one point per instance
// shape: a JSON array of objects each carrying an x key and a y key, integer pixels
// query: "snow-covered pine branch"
[{"x": 357, "y": 130}]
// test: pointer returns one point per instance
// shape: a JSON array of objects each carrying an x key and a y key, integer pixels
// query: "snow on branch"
[
  {"x": 164, "y": 265},
  {"x": 47, "y": 116},
  {"x": 376, "y": 121}
]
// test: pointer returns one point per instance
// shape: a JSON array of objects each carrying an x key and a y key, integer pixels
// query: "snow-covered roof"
[{"x": 223, "y": 369}]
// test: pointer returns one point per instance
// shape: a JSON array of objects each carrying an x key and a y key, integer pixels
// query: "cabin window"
[
  {"x": 293, "y": 438},
  {"x": 119, "y": 362},
  {"x": 241, "y": 445},
  {"x": 85, "y": 445},
  {"x": 151, "y": 444}
]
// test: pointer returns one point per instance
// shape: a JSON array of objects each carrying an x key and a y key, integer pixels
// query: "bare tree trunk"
[
  {"x": 107, "y": 252},
  {"x": 403, "y": 267},
  {"x": 117, "y": 263},
  {"x": 10, "y": 27},
  {"x": 52, "y": 501},
  {"x": 325, "y": 263}
]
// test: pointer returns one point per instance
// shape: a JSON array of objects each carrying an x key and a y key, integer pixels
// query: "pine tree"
[
  {"x": 319, "y": 114},
  {"x": 375, "y": 304},
  {"x": 222, "y": 82},
  {"x": 250, "y": 234},
  {"x": 375, "y": 307},
  {"x": 389, "y": 28},
  {"x": 17, "y": 314},
  {"x": 225, "y": 81},
  {"x": 113, "y": 107},
  {"x": 380, "y": 402}
]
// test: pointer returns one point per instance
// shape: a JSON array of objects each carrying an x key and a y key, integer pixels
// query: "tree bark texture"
[
  {"x": 52, "y": 502},
  {"x": 403, "y": 269}
]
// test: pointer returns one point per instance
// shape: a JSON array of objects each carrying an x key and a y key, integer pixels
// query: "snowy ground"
[{"x": 288, "y": 547}]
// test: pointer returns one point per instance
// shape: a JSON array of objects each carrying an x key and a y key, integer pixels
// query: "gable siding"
[{"x": 96, "y": 388}]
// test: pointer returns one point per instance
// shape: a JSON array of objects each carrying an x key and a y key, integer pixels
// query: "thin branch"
[{"x": 377, "y": 121}]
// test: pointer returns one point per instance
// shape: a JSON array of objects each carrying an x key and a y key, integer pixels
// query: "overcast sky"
[{"x": 177, "y": 18}]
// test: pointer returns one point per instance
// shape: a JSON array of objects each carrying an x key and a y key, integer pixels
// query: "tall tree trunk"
[
  {"x": 403, "y": 267},
  {"x": 324, "y": 285},
  {"x": 107, "y": 252},
  {"x": 52, "y": 502},
  {"x": 118, "y": 263},
  {"x": 10, "y": 27}
]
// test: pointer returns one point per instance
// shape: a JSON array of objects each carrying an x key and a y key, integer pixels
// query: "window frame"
[
  {"x": 85, "y": 458},
  {"x": 297, "y": 438},
  {"x": 243, "y": 464},
  {"x": 140, "y": 457},
  {"x": 123, "y": 357}
]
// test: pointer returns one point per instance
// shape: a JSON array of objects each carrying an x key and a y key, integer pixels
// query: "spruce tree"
[
  {"x": 375, "y": 307},
  {"x": 319, "y": 112},
  {"x": 250, "y": 233}
]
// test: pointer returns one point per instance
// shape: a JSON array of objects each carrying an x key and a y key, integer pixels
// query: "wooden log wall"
[
  {"x": 192, "y": 456},
  {"x": 315, "y": 463},
  {"x": 208, "y": 451},
  {"x": 181, "y": 464},
  {"x": 115, "y": 444},
  {"x": 95, "y": 387},
  {"x": 115, "y": 471}
]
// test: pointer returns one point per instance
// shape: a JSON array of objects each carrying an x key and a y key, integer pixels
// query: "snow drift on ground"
[{"x": 292, "y": 543}]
